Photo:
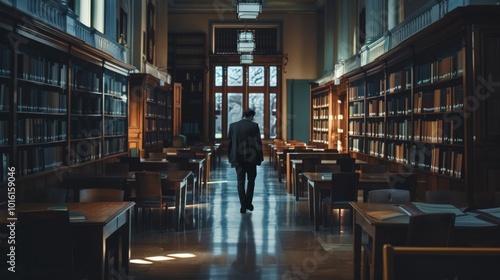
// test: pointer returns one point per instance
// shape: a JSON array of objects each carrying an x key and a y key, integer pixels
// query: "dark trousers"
[{"x": 248, "y": 171}]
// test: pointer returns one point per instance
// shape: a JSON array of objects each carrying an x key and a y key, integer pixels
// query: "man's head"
[{"x": 248, "y": 113}]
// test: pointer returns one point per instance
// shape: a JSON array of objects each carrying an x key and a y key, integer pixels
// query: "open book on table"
[
  {"x": 384, "y": 214},
  {"x": 422, "y": 207}
]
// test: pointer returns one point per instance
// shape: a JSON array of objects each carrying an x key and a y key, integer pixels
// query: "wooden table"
[
  {"x": 296, "y": 166},
  {"x": 319, "y": 182},
  {"x": 468, "y": 229},
  {"x": 102, "y": 220}
]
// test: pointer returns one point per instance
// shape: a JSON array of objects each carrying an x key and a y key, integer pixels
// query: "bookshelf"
[
  {"x": 187, "y": 63},
  {"x": 150, "y": 126},
  {"x": 62, "y": 103},
  {"x": 419, "y": 107},
  {"x": 327, "y": 116}
]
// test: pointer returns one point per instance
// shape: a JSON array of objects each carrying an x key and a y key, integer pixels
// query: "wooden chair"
[
  {"x": 438, "y": 263},
  {"x": 45, "y": 249},
  {"x": 149, "y": 195},
  {"x": 100, "y": 195},
  {"x": 54, "y": 195},
  {"x": 430, "y": 229},
  {"x": 404, "y": 181},
  {"x": 487, "y": 199},
  {"x": 393, "y": 196},
  {"x": 344, "y": 190},
  {"x": 456, "y": 198}
]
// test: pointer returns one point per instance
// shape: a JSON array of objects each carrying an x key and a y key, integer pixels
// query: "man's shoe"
[
  {"x": 243, "y": 210},
  {"x": 250, "y": 207}
]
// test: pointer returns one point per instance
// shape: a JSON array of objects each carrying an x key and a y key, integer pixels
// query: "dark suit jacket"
[{"x": 244, "y": 143}]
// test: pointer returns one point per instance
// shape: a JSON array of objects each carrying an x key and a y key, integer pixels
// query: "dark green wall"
[{"x": 299, "y": 107}]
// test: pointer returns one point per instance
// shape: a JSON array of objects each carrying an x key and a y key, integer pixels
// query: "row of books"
[
  {"x": 116, "y": 106},
  {"x": 320, "y": 125},
  {"x": 115, "y": 85},
  {"x": 319, "y": 137},
  {"x": 5, "y": 60},
  {"x": 41, "y": 69},
  {"x": 84, "y": 150},
  {"x": 155, "y": 111},
  {"x": 86, "y": 127},
  {"x": 4, "y": 165},
  {"x": 399, "y": 106},
  {"x": 4, "y": 97},
  {"x": 37, "y": 159},
  {"x": 154, "y": 137},
  {"x": 155, "y": 124},
  {"x": 399, "y": 80},
  {"x": 440, "y": 160},
  {"x": 375, "y": 129},
  {"x": 115, "y": 126},
  {"x": 376, "y": 108},
  {"x": 321, "y": 113},
  {"x": 444, "y": 68},
  {"x": 375, "y": 148},
  {"x": 398, "y": 152},
  {"x": 191, "y": 128},
  {"x": 440, "y": 100},
  {"x": 445, "y": 131},
  {"x": 159, "y": 97},
  {"x": 356, "y": 91},
  {"x": 357, "y": 109},
  {"x": 399, "y": 130},
  {"x": 86, "y": 79},
  {"x": 4, "y": 133},
  {"x": 320, "y": 101},
  {"x": 356, "y": 128},
  {"x": 39, "y": 100},
  {"x": 355, "y": 145},
  {"x": 375, "y": 87},
  {"x": 41, "y": 130},
  {"x": 115, "y": 146},
  {"x": 86, "y": 104}
]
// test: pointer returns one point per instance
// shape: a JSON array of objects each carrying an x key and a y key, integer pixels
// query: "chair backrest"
[
  {"x": 328, "y": 167},
  {"x": 430, "y": 229},
  {"x": 116, "y": 169},
  {"x": 148, "y": 186},
  {"x": 309, "y": 164},
  {"x": 395, "y": 196},
  {"x": 487, "y": 199},
  {"x": 344, "y": 186},
  {"x": 346, "y": 164},
  {"x": 438, "y": 263},
  {"x": 373, "y": 168},
  {"x": 404, "y": 181},
  {"x": 456, "y": 198},
  {"x": 54, "y": 195},
  {"x": 44, "y": 243},
  {"x": 98, "y": 195}
]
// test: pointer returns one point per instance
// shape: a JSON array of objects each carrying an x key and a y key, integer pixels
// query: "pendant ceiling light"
[
  {"x": 249, "y": 9},
  {"x": 246, "y": 58},
  {"x": 246, "y": 43}
]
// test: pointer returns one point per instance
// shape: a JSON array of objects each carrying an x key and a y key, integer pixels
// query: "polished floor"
[{"x": 275, "y": 241}]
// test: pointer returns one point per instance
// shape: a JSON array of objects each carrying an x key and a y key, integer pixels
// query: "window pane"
[
  {"x": 234, "y": 107},
  {"x": 256, "y": 102},
  {"x": 218, "y": 76},
  {"x": 272, "y": 117},
  {"x": 234, "y": 76},
  {"x": 218, "y": 115},
  {"x": 273, "y": 76},
  {"x": 256, "y": 76}
]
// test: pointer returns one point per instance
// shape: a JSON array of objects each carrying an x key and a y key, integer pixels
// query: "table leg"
[{"x": 357, "y": 249}]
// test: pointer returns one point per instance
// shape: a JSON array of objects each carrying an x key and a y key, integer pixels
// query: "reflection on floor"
[{"x": 275, "y": 241}]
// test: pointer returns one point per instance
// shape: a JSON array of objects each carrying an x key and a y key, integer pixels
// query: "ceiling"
[{"x": 268, "y": 6}]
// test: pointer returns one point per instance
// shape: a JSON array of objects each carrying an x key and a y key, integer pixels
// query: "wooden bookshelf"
[
  {"x": 187, "y": 63},
  {"x": 150, "y": 114},
  {"x": 327, "y": 116},
  {"x": 63, "y": 104},
  {"x": 425, "y": 107}
]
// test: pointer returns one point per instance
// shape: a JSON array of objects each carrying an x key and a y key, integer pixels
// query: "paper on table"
[
  {"x": 421, "y": 207},
  {"x": 384, "y": 214}
]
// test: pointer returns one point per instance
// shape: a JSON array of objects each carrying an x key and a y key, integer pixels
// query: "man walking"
[{"x": 244, "y": 154}]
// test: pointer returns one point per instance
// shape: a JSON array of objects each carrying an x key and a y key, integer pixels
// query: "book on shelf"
[{"x": 384, "y": 214}]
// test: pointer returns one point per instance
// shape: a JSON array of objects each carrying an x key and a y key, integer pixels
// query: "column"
[
  {"x": 375, "y": 20},
  {"x": 344, "y": 42},
  {"x": 329, "y": 31},
  {"x": 84, "y": 11},
  {"x": 392, "y": 13},
  {"x": 110, "y": 28},
  {"x": 98, "y": 7}
]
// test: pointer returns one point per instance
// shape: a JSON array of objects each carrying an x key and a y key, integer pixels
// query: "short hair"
[{"x": 248, "y": 113}]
